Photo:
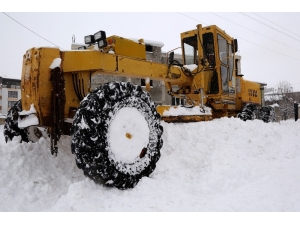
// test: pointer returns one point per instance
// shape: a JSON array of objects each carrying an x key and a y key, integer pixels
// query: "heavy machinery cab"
[{"x": 213, "y": 51}]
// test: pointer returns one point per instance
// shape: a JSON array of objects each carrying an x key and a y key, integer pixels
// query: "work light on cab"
[
  {"x": 102, "y": 43},
  {"x": 100, "y": 35},
  {"x": 89, "y": 39}
]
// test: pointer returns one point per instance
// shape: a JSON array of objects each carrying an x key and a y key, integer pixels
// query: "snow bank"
[{"x": 222, "y": 165}]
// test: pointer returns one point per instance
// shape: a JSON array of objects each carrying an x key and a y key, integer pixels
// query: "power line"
[
  {"x": 270, "y": 27},
  {"x": 257, "y": 33},
  {"x": 190, "y": 17},
  {"x": 270, "y": 49},
  {"x": 30, "y": 30},
  {"x": 276, "y": 24},
  {"x": 243, "y": 38}
]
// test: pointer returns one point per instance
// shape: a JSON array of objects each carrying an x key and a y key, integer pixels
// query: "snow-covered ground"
[{"x": 223, "y": 165}]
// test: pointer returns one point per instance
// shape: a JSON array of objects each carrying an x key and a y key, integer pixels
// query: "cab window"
[
  {"x": 190, "y": 49},
  {"x": 223, "y": 56},
  {"x": 209, "y": 50}
]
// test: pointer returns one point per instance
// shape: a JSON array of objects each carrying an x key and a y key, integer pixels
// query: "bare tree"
[
  {"x": 283, "y": 96},
  {"x": 286, "y": 104}
]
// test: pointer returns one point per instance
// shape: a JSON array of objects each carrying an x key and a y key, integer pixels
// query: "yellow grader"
[{"x": 57, "y": 95}]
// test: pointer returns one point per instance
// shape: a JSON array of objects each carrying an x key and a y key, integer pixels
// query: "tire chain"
[
  {"x": 11, "y": 128},
  {"x": 58, "y": 100},
  {"x": 251, "y": 112},
  {"x": 90, "y": 144},
  {"x": 248, "y": 112}
]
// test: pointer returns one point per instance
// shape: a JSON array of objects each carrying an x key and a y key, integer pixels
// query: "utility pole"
[{"x": 296, "y": 110}]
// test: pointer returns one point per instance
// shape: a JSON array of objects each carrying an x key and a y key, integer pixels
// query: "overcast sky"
[{"x": 269, "y": 42}]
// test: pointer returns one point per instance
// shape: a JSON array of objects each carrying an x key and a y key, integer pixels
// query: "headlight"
[
  {"x": 100, "y": 35},
  {"x": 89, "y": 39},
  {"x": 102, "y": 43}
]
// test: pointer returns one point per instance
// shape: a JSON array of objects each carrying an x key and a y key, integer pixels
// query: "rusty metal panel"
[{"x": 35, "y": 83}]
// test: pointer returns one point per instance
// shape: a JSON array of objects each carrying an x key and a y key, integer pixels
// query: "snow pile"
[
  {"x": 222, "y": 165},
  {"x": 27, "y": 117},
  {"x": 32, "y": 110},
  {"x": 149, "y": 42},
  {"x": 56, "y": 63}
]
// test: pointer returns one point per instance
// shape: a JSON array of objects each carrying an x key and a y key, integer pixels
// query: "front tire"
[{"x": 92, "y": 130}]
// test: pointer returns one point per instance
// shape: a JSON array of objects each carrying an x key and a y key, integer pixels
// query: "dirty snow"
[{"x": 225, "y": 165}]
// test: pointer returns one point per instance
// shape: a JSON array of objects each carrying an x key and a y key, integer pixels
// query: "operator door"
[{"x": 226, "y": 66}]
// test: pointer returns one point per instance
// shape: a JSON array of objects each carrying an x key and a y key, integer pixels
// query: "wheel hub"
[{"x": 128, "y": 135}]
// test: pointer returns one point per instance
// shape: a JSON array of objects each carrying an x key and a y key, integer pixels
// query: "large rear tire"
[
  {"x": 248, "y": 112},
  {"x": 251, "y": 112},
  {"x": 11, "y": 128},
  {"x": 267, "y": 114},
  {"x": 92, "y": 130}
]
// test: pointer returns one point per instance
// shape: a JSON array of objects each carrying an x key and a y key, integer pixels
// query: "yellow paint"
[{"x": 129, "y": 60}]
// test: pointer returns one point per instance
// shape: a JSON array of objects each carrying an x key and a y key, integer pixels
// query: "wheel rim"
[
  {"x": 139, "y": 160},
  {"x": 128, "y": 135}
]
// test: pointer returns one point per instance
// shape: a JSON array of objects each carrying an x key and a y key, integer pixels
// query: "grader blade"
[
  {"x": 186, "y": 119},
  {"x": 182, "y": 114}
]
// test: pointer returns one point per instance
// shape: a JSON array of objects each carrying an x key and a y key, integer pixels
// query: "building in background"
[{"x": 10, "y": 93}]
